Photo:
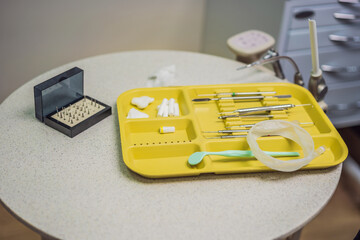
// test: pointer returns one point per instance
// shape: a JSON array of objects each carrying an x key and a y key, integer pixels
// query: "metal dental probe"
[
  {"x": 227, "y": 136},
  {"x": 239, "y": 98},
  {"x": 245, "y": 116},
  {"x": 243, "y": 125},
  {"x": 237, "y": 93},
  {"x": 257, "y": 116},
  {"x": 236, "y": 136},
  {"x": 251, "y": 125},
  {"x": 228, "y": 131},
  {"x": 267, "y": 108}
]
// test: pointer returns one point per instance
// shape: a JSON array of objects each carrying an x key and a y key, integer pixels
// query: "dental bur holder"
[{"x": 61, "y": 104}]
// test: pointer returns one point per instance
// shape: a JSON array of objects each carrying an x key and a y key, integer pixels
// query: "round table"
[{"x": 80, "y": 188}]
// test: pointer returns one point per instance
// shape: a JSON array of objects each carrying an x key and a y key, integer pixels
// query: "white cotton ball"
[
  {"x": 133, "y": 113},
  {"x": 142, "y": 102}
]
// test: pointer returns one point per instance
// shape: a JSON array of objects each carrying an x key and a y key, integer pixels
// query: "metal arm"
[{"x": 297, "y": 77}]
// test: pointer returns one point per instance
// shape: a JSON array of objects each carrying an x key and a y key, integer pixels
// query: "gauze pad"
[
  {"x": 288, "y": 130},
  {"x": 133, "y": 113},
  {"x": 142, "y": 102}
]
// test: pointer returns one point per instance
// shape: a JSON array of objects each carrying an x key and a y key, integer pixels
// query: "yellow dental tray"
[{"x": 149, "y": 153}]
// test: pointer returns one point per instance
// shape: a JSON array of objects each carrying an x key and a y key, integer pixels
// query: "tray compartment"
[
  {"x": 206, "y": 114},
  {"x": 153, "y": 161},
  {"x": 318, "y": 119},
  {"x": 331, "y": 157},
  {"x": 146, "y": 132},
  {"x": 158, "y": 94}
]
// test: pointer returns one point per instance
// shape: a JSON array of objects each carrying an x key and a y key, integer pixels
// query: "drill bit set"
[
  {"x": 77, "y": 112},
  {"x": 61, "y": 104}
]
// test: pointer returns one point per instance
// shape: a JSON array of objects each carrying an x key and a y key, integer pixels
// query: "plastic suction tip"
[{"x": 196, "y": 158}]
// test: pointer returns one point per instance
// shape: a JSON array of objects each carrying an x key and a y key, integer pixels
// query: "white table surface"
[{"x": 80, "y": 188}]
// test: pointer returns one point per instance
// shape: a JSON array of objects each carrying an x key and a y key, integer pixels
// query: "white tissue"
[
  {"x": 133, "y": 113},
  {"x": 163, "y": 77},
  {"x": 142, "y": 102}
]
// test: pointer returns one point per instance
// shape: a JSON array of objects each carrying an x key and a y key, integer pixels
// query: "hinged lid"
[{"x": 58, "y": 91}]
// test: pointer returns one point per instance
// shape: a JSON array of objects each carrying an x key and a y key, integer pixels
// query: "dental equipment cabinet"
[
  {"x": 338, "y": 33},
  {"x": 338, "y": 50}
]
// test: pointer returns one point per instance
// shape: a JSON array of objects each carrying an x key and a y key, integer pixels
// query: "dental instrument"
[
  {"x": 245, "y": 116},
  {"x": 197, "y": 157},
  {"x": 251, "y": 125},
  {"x": 228, "y": 131},
  {"x": 267, "y": 108},
  {"x": 239, "y": 98},
  {"x": 227, "y": 136},
  {"x": 237, "y": 93}
]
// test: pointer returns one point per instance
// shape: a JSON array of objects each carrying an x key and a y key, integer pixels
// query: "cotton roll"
[
  {"x": 163, "y": 104},
  {"x": 167, "y": 129},
  {"x": 171, "y": 107}
]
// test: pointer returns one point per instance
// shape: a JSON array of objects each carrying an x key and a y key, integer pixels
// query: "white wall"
[
  {"x": 38, "y": 35},
  {"x": 226, "y": 18}
]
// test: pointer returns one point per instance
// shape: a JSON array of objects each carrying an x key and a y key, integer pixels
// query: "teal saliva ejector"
[{"x": 197, "y": 157}]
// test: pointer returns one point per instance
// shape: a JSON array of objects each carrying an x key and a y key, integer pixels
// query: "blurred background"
[{"x": 38, "y": 35}]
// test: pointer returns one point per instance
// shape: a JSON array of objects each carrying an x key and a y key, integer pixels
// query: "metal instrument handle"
[
  {"x": 241, "y": 98},
  {"x": 251, "y": 93},
  {"x": 234, "y": 131},
  {"x": 340, "y": 69},
  {"x": 346, "y": 16},
  {"x": 232, "y": 136},
  {"x": 266, "y": 108},
  {"x": 343, "y": 38}
]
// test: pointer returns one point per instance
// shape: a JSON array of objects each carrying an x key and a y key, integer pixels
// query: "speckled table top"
[{"x": 79, "y": 188}]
